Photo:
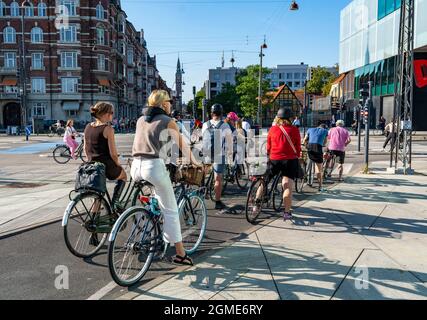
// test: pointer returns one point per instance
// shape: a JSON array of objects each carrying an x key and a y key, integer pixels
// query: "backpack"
[{"x": 211, "y": 130}]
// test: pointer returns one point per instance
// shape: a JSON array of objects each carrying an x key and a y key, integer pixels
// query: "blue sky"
[{"x": 310, "y": 35}]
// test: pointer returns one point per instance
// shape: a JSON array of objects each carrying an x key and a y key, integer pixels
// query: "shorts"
[
  {"x": 218, "y": 168},
  {"x": 112, "y": 170},
  {"x": 315, "y": 152},
  {"x": 286, "y": 168},
  {"x": 340, "y": 155}
]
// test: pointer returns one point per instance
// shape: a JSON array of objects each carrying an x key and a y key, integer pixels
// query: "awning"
[
  {"x": 71, "y": 106},
  {"x": 9, "y": 82},
  {"x": 104, "y": 82}
]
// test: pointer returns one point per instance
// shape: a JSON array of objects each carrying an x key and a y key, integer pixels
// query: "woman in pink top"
[{"x": 339, "y": 139}]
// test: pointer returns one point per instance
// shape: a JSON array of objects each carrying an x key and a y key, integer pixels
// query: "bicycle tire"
[
  {"x": 242, "y": 176},
  {"x": 130, "y": 222},
  {"x": 190, "y": 215},
  {"x": 277, "y": 194},
  {"x": 76, "y": 249},
  {"x": 250, "y": 212},
  {"x": 310, "y": 173},
  {"x": 61, "y": 154},
  {"x": 211, "y": 187},
  {"x": 83, "y": 156}
]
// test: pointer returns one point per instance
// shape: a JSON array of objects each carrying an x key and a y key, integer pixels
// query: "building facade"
[
  {"x": 293, "y": 75},
  {"x": 219, "y": 76},
  {"x": 72, "y": 54},
  {"x": 368, "y": 48}
]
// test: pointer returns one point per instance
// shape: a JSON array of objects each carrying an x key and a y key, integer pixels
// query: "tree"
[
  {"x": 319, "y": 80},
  {"x": 247, "y": 89},
  {"x": 228, "y": 98}
]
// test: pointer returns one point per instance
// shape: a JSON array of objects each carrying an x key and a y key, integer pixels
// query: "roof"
[{"x": 339, "y": 79}]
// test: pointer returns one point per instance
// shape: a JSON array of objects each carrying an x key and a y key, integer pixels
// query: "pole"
[
  {"x": 194, "y": 102},
  {"x": 23, "y": 71},
  {"x": 367, "y": 126},
  {"x": 260, "y": 90},
  {"x": 359, "y": 127},
  {"x": 305, "y": 107}
]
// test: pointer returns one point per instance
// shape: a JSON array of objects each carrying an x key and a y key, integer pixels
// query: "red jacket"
[{"x": 278, "y": 147}]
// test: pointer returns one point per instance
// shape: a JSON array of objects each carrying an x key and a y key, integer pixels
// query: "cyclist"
[
  {"x": 177, "y": 115},
  {"x": 100, "y": 146},
  {"x": 153, "y": 131},
  {"x": 316, "y": 139},
  {"x": 217, "y": 146},
  {"x": 70, "y": 138},
  {"x": 339, "y": 139},
  {"x": 283, "y": 150},
  {"x": 242, "y": 139}
]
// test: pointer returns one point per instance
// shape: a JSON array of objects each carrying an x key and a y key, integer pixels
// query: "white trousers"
[{"x": 154, "y": 171}]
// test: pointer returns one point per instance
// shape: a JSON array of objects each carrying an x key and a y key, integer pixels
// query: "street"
[{"x": 33, "y": 196}]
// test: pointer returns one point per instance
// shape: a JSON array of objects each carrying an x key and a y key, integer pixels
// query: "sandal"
[{"x": 185, "y": 261}]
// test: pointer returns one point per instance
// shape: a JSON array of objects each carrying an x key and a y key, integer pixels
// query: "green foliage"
[
  {"x": 320, "y": 81},
  {"x": 228, "y": 98}
]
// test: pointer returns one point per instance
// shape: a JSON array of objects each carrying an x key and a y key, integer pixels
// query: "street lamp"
[
  {"x": 294, "y": 6},
  {"x": 261, "y": 55},
  {"x": 23, "y": 68}
]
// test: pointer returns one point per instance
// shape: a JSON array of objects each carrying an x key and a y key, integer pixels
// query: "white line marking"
[{"x": 103, "y": 291}]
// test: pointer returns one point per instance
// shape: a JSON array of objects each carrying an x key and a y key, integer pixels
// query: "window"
[
  {"x": 217, "y": 76},
  {"x": 304, "y": 76},
  {"x": 41, "y": 10},
  {"x": 68, "y": 34},
  {"x": 69, "y": 8},
  {"x": 29, "y": 10},
  {"x": 131, "y": 78},
  {"x": 38, "y": 85},
  {"x": 14, "y": 9},
  {"x": 37, "y": 61},
  {"x": 101, "y": 62},
  {"x": 9, "y": 35},
  {"x": 69, "y": 60},
  {"x": 290, "y": 84},
  {"x": 2, "y": 9},
  {"x": 385, "y": 7},
  {"x": 69, "y": 85},
  {"x": 130, "y": 56},
  {"x": 297, "y": 75},
  {"x": 39, "y": 109},
  {"x": 298, "y": 84},
  {"x": 289, "y": 76},
  {"x": 100, "y": 36},
  {"x": 100, "y": 12},
  {"x": 122, "y": 24},
  {"x": 36, "y": 35},
  {"x": 10, "y": 60}
]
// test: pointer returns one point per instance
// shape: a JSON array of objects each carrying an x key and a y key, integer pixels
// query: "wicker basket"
[{"x": 192, "y": 175}]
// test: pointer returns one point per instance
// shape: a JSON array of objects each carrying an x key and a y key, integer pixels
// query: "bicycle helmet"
[
  {"x": 284, "y": 113},
  {"x": 176, "y": 114},
  {"x": 217, "y": 109},
  {"x": 233, "y": 116}
]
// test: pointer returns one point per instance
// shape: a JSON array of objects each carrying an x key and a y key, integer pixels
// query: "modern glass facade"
[{"x": 385, "y": 7}]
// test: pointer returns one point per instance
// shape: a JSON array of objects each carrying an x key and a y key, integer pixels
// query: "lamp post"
[
  {"x": 261, "y": 55},
  {"x": 23, "y": 68}
]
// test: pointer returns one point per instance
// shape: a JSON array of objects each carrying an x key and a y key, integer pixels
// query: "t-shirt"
[
  {"x": 317, "y": 135},
  {"x": 220, "y": 136},
  {"x": 338, "y": 137},
  {"x": 246, "y": 126}
]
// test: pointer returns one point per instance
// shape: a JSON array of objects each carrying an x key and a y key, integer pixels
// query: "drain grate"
[{"x": 22, "y": 185}]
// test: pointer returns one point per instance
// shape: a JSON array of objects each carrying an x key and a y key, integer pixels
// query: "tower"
[{"x": 178, "y": 82}]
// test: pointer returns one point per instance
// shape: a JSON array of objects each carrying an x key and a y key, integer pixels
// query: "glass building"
[{"x": 368, "y": 48}]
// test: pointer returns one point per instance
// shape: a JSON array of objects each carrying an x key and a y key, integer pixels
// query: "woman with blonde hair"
[
  {"x": 151, "y": 138},
  {"x": 100, "y": 146}
]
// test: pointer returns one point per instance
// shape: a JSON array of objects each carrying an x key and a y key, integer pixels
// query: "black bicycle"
[
  {"x": 329, "y": 163},
  {"x": 62, "y": 153},
  {"x": 90, "y": 217}
]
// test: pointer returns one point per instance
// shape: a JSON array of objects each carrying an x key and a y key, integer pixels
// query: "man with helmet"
[{"x": 217, "y": 148}]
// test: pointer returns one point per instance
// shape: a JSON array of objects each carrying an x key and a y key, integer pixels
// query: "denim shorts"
[{"x": 219, "y": 167}]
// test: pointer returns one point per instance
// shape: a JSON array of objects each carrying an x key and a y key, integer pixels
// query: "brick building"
[{"x": 77, "y": 52}]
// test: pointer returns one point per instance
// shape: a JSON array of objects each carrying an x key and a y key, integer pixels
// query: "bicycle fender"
[{"x": 67, "y": 213}]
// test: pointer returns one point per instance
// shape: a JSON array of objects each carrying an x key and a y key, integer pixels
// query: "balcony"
[
  {"x": 8, "y": 71},
  {"x": 9, "y": 96}
]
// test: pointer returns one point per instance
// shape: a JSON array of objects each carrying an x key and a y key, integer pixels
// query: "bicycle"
[
  {"x": 259, "y": 194},
  {"x": 301, "y": 181},
  {"x": 91, "y": 213},
  {"x": 137, "y": 236},
  {"x": 328, "y": 164},
  {"x": 196, "y": 136},
  {"x": 236, "y": 173},
  {"x": 53, "y": 130},
  {"x": 62, "y": 153}
]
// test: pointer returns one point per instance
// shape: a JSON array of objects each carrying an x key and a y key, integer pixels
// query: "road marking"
[{"x": 103, "y": 291}]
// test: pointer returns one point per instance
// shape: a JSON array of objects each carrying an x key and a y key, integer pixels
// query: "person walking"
[
  {"x": 391, "y": 133},
  {"x": 339, "y": 139},
  {"x": 153, "y": 131},
  {"x": 382, "y": 124},
  {"x": 100, "y": 146},
  {"x": 296, "y": 122},
  {"x": 316, "y": 139},
  {"x": 284, "y": 150},
  {"x": 70, "y": 138},
  {"x": 217, "y": 148}
]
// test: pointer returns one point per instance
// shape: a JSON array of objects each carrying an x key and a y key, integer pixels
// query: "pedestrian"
[
  {"x": 284, "y": 150},
  {"x": 242, "y": 139},
  {"x": 296, "y": 122},
  {"x": 316, "y": 139},
  {"x": 217, "y": 148},
  {"x": 381, "y": 124},
  {"x": 339, "y": 139},
  {"x": 70, "y": 138},
  {"x": 149, "y": 164},
  {"x": 246, "y": 125},
  {"x": 355, "y": 127},
  {"x": 391, "y": 134}
]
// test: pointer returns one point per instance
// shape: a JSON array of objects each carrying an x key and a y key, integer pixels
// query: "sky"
[{"x": 198, "y": 31}]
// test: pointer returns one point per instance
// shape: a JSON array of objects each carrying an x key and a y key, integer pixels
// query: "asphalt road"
[{"x": 29, "y": 260}]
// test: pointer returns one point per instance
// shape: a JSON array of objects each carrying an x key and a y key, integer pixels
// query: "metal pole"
[
  {"x": 367, "y": 126},
  {"x": 23, "y": 70},
  {"x": 359, "y": 127},
  {"x": 260, "y": 90},
  {"x": 305, "y": 107}
]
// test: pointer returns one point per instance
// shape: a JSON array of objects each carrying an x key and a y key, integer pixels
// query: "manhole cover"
[{"x": 22, "y": 185}]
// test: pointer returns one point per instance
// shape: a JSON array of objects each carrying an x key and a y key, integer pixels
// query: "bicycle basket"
[
  {"x": 192, "y": 175},
  {"x": 91, "y": 176},
  {"x": 258, "y": 168}
]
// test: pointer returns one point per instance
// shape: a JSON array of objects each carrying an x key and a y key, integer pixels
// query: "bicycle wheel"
[
  {"x": 225, "y": 177},
  {"x": 254, "y": 204},
  {"x": 62, "y": 154},
  {"x": 300, "y": 182},
  {"x": 211, "y": 187},
  {"x": 83, "y": 156},
  {"x": 277, "y": 194},
  {"x": 87, "y": 222},
  {"x": 242, "y": 176},
  {"x": 193, "y": 217},
  {"x": 329, "y": 168},
  {"x": 310, "y": 173},
  {"x": 143, "y": 190},
  {"x": 132, "y": 246}
]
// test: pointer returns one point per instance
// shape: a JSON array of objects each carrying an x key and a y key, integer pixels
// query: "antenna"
[
  {"x": 222, "y": 60},
  {"x": 232, "y": 59}
]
